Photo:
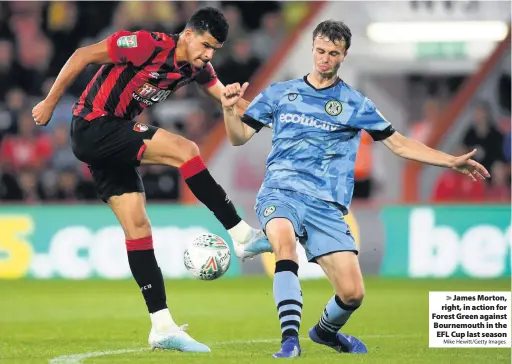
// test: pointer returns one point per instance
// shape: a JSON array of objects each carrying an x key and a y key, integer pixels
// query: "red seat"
[{"x": 455, "y": 187}]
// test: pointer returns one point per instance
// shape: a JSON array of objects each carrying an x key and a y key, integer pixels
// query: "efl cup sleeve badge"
[
  {"x": 127, "y": 41},
  {"x": 269, "y": 211},
  {"x": 141, "y": 128}
]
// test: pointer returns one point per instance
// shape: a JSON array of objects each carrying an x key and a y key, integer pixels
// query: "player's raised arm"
[
  {"x": 96, "y": 53},
  {"x": 238, "y": 132},
  {"x": 258, "y": 114},
  {"x": 414, "y": 150},
  {"x": 120, "y": 47},
  {"x": 214, "y": 87},
  {"x": 371, "y": 120}
]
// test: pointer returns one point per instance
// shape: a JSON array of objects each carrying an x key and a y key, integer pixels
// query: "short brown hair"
[{"x": 335, "y": 31}]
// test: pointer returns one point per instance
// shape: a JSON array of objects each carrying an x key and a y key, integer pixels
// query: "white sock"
[
  {"x": 162, "y": 320},
  {"x": 241, "y": 232}
]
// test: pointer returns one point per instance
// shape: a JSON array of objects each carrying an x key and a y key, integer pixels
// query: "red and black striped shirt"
[{"x": 143, "y": 72}]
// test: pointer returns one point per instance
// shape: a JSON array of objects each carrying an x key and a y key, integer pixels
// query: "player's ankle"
[
  {"x": 289, "y": 333},
  {"x": 241, "y": 232},
  {"x": 325, "y": 335},
  {"x": 162, "y": 320}
]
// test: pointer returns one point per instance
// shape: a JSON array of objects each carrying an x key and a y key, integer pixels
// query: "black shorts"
[{"x": 112, "y": 148}]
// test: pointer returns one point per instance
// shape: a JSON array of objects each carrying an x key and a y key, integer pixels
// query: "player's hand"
[
  {"x": 42, "y": 113},
  {"x": 231, "y": 94},
  {"x": 465, "y": 165}
]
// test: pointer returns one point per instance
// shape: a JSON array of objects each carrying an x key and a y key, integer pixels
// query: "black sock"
[
  {"x": 147, "y": 273},
  {"x": 209, "y": 192}
]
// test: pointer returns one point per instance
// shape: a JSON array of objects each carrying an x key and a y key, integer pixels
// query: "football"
[{"x": 208, "y": 257}]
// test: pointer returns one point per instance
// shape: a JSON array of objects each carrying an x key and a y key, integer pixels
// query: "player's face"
[
  {"x": 201, "y": 48},
  {"x": 328, "y": 56}
]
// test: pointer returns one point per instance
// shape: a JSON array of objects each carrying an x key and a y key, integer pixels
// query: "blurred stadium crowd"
[
  {"x": 490, "y": 135},
  {"x": 488, "y": 131},
  {"x": 36, "y": 39}
]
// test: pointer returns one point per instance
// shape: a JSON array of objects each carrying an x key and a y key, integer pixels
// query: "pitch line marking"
[{"x": 78, "y": 358}]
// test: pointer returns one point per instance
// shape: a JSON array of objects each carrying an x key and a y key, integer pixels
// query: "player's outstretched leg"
[
  {"x": 165, "y": 334},
  {"x": 173, "y": 150},
  {"x": 342, "y": 269},
  {"x": 287, "y": 291}
]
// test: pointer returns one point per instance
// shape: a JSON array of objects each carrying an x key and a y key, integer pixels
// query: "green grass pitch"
[{"x": 41, "y": 320}]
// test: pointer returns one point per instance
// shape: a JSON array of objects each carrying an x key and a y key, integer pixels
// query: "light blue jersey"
[{"x": 316, "y": 134}]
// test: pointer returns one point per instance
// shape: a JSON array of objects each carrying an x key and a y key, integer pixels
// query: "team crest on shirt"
[
  {"x": 292, "y": 96},
  {"x": 269, "y": 211},
  {"x": 141, "y": 128},
  {"x": 333, "y": 107},
  {"x": 127, "y": 41}
]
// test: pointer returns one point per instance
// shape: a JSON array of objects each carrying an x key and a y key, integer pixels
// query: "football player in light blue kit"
[{"x": 317, "y": 121}]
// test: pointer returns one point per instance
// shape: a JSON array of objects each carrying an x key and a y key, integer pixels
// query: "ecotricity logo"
[{"x": 307, "y": 121}]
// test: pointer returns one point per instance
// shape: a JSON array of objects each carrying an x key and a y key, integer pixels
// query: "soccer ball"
[{"x": 208, "y": 257}]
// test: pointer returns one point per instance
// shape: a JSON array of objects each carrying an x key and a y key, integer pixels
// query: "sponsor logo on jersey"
[
  {"x": 149, "y": 94},
  {"x": 140, "y": 127},
  {"x": 127, "y": 41},
  {"x": 307, "y": 121}
]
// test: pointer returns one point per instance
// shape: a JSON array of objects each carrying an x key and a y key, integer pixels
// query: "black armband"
[
  {"x": 378, "y": 135},
  {"x": 253, "y": 123}
]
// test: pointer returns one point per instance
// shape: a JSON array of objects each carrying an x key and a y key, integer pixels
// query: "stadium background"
[
  {"x": 413, "y": 220},
  {"x": 419, "y": 228}
]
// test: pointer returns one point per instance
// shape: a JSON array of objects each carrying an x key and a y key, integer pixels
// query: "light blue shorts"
[{"x": 319, "y": 225}]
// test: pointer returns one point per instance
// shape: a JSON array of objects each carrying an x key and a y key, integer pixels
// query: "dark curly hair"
[{"x": 210, "y": 20}]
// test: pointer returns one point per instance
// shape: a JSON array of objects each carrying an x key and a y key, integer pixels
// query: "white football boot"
[
  {"x": 175, "y": 338},
  {"x": 257, "y": 244}
]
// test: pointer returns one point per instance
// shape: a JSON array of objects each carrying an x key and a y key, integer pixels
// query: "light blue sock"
[{"x": 288, "y": 297}]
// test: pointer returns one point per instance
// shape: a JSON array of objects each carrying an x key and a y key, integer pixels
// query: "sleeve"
[
  {"x": 369, "y": 119},
  {"x": 207, "y": 77},
  {"x": 260, "y": 111},
  {"x": 133, "y": 47}
]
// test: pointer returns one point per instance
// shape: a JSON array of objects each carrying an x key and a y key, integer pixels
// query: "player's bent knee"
[
  {"x": 169, "y": 149},
  {"x": 285, "y": 251},
  {"x": 282, "y": 238},
  {"x": 138, "y": 228},
  {"x": 285, "y": 248},
  {"x": 352, "y": 297},
  {"x": 280, "y": 229},
  {"x": 129, "y": 210},
  {"x": 189, "y": 150},
  {"x": 182, "y": 150}
]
